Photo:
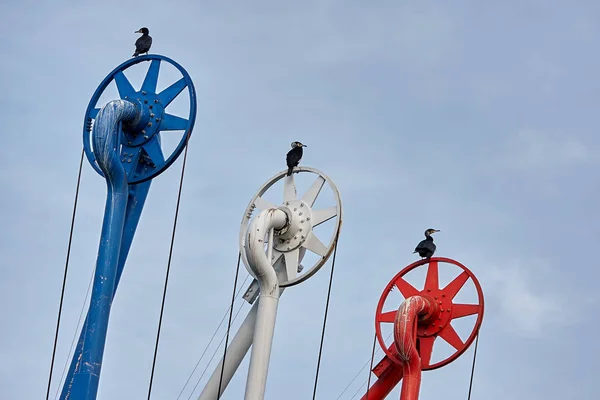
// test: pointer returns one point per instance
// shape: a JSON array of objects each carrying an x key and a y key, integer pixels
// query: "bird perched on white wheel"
[{"x": 294, "y": 156}]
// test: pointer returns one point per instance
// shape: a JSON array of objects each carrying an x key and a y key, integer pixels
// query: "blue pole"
[
  {"x": 135, "y": 205},
  {"x": 84, "y": 373}
]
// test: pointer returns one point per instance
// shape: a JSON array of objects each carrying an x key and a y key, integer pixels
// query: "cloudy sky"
[{"x": 475, "y": 119}]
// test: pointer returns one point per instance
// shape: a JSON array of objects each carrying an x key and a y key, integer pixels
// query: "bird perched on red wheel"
[{"x": 426, "y": 247}]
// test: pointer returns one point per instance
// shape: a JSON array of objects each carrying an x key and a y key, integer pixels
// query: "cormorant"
[
  {"x": 426, "y": 247},
  {"x": 142, "y": 45},
  {"x": 294, "y": 156}
]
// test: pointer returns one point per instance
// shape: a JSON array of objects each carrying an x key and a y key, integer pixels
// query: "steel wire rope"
[
  {"x": 473, "y": 365},
  {"x": 361, "y": 370},
  {"x": 211, "y": 339},
  {"x": 352, "y": 381},
  {"x": 85, "y": 300},
  {"x": 214, "y": 353},
  {"x": 162, "y": 306},
  {"x": 325, "y": 318},
  {"x": 237, "y": 272},
  {"x": 363, "y": 367},
  {"x": 371, "y": 367},
  {"x": 64, "y": 282},
  {"x": 359, "y": 389}
]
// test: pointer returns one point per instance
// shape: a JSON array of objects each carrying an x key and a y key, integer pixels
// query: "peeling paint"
[
  {"x": 83, "y": 375},
  {"x": 268, "y": 300},
  {"x": 405, "y": 337}
]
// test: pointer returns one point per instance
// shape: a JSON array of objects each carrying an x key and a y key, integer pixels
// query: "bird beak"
[
  {"x": 138, "y": 31},
  {"x": 436, "y": 230},
  {"x": 303, "y": 145}
]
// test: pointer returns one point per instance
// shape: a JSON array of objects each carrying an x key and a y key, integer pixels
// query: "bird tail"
[
  {"x": 290, "y": 170},
  {"x": 135, "y": 54}
]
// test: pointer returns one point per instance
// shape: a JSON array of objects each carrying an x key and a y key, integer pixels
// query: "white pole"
[
  {"x": 268, "y": 299},
  {"x": 244, "y": 337},
  {"x": 235, "y": 355}
]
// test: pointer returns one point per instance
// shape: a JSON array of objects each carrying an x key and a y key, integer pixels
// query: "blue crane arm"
[{"x": 124, "y": 204}]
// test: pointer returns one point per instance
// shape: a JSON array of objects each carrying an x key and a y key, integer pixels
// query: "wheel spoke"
[
  {"x": 123, "y": 85},
  {"x": 432, "y": 279},
  {"x": 154, "y": 151},
  {"x": 406, "y": 288},
  {"x": 320, "y": 216},
  {"x": 263, "y": 204},
  {"x": 289, "y": 189},
  {"x": 94, "y": 113},
  {"x": 463, "y": 310},
  {"x": 426, "y": 349},
  {"x": 450, "y": 336},
  {"x": 151, "y": 79},
  {"x": 302, "y": 253},
  {"x": 172, "y": 122},
  {"x": 276, "y": 255},
  {"x": 452, "y": 289},
  {"x": 387, "y": 317},
  {"x": 313, "y": 192},
  {"x": 169, "y": 94},
  {"x": 313, "y": 244},
  {"x": 291, "y": 263}
]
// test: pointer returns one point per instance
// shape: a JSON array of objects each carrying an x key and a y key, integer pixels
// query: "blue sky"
[{"x": 478, "y": 119}]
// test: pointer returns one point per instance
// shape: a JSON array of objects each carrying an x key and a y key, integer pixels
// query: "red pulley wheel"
[{"x": 429, "y": 330}]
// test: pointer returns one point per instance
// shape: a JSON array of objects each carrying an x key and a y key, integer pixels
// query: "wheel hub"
[
  {"x": 143, "y": 129},
  {"x": 294, "y": 234},
  {"x": 435, "y": 321}
]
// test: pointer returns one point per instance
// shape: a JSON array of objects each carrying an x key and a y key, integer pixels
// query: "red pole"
[
  {"x": 388, "y": 375},
  {"x": 411, "y": 310},
  {"x": 389, "y": 372}
]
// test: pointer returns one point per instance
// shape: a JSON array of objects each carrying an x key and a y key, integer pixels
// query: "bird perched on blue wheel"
[
  {"x": 426, "y": 247},
  {"x": 144, "y": 42},
  {"x": 294, "y": 156}
]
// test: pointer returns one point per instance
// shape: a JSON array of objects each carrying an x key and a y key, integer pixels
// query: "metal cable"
[
  {"x": 325, "y": 319},
  {"x": 211, "y": 339},
  {"x": 355, "y": 376},
  {"x": 73, "y": 342},
  {"x": 237, "y": 272},
  {"x": 371, "y": 367},
  {"x": 358, "y": 391},
  {"x": 64, "y": 282},
  {"x": 162, "y": 306},
  {"x": 473, "y": 366},
  {"x": 214, "y": 353},
  {"x": 361, "y": 370}
]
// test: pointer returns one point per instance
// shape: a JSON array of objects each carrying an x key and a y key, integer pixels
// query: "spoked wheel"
[
  {"x": 141, "y": 150},
  {"x": 298, "y": 237},
  {"x": 429, "y": 330}
]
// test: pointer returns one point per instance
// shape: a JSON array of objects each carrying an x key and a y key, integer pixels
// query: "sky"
[{"x": 475, "y": 118}]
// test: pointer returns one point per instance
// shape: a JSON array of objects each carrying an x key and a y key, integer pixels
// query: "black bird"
[
  {"x": 142, "y": 45},
  {"x": 426, "y": 247},
  {"x": 294, "y": 156}
]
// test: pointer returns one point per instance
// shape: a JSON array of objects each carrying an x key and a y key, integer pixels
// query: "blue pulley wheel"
[{"x": 141, "y": 150}]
